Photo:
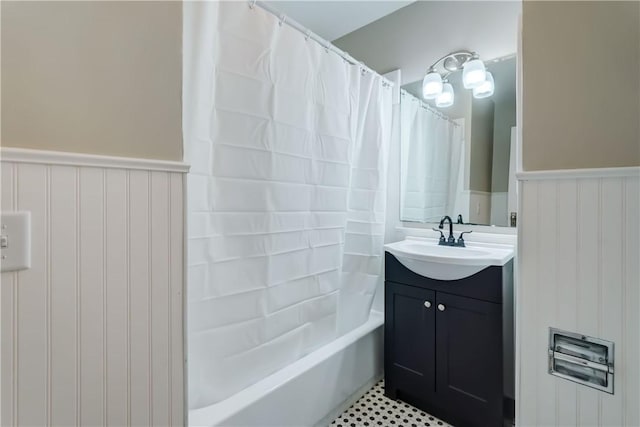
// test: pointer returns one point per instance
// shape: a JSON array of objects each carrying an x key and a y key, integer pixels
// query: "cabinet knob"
[
  {"x": 427, "y": 304},
  {"x": 441, "y": 307}
]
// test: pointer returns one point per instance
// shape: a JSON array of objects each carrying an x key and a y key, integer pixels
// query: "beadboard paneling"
[
  {"x": 578, "y": 257},
  {"x": 92, "y": 334}
]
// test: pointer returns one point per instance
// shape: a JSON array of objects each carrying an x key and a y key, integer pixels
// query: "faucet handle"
[
  {"x": 442, "y": 239},
  {"x": 461, "y": 240}
]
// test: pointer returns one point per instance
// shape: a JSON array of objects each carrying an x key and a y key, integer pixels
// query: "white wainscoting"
[
  {"x": 92, "y": 334},
  {"x": 578, "y": 263}
]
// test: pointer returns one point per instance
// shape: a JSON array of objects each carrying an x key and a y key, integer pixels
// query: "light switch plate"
[{"x": 15, "y": 241}]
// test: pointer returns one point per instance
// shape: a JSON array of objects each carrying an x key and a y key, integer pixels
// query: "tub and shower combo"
[{"x": 288, "y": 143}]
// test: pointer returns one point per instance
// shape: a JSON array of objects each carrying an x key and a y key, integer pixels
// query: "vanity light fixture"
[
  {"x": 485, "y": 89},
  {"x": 473, "y": 73},
  {"x": 431, "y": 85},
  {"x": 474, "y": 76},
  {"x": 445, "y": 98}
]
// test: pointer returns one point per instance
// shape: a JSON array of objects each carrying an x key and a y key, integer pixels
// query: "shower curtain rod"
[
  {"x": 426, "y": 106},
  {"x": 311, "y": 35}
]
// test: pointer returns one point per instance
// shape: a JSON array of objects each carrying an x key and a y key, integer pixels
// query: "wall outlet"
[{"x": 15, "y": 241}]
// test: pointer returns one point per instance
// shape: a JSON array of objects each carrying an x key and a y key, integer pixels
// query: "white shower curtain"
[
  {"x": 288, "y": 146},
  {"x": 431, "y": 149}
]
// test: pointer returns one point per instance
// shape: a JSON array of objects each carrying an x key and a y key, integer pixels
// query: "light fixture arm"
[{"x": 460, "y": 57}]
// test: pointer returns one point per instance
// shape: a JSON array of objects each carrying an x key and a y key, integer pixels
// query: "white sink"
[{"x": 425, "y": 257}]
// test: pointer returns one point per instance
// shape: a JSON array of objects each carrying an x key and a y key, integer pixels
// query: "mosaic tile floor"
[{"x": 374, "y": 409}]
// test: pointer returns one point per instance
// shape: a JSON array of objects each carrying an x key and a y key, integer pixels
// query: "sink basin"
[{"x": 425, "y": 257}]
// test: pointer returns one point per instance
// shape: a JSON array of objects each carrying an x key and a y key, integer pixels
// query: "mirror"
[{"x": 460, "y": 160}]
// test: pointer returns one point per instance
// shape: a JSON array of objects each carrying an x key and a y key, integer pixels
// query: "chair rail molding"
[
  {"x": 45, "y": 157},
  {"x": 621, "y": 172}
]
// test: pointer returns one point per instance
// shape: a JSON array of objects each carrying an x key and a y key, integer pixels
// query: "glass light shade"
[
  {"x": 431, "y": 85},
  {"x": 473, "y": 73},
  {"x": 486, "y": 89},
  {"x": 446, "y": 97}
]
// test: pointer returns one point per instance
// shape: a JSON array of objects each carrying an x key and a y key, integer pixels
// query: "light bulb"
[
  {"x": 473, "y": 73},
  {"x": 431, "y": 85},
  {"x": 486, "y": 89},
  {"x": 446, "y": 97}
]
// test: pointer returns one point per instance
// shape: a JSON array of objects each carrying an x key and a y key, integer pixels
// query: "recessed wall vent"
[{"x": 582, "y": 359}]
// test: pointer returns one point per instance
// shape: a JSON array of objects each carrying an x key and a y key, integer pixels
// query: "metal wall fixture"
[
  {"x": 585, "y": 360},
  {"x": 474, "y": 76}
]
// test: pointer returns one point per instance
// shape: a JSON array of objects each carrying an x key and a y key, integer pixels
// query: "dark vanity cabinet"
[{"x": 449, "y": 344}]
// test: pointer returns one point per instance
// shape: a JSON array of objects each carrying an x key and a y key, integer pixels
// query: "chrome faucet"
[{"x": 451, "y": 240}]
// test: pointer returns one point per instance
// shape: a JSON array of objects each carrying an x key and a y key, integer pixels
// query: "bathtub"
[{"x": 310, "y": 392}]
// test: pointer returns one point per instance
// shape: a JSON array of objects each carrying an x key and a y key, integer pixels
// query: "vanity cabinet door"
[
  {"x": 469, "y": 358},
  {"x": 409, "y": 340}
]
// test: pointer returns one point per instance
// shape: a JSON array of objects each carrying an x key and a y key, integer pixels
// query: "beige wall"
[
  {"x": 93, "y": 77},
  {"x": 581, "y": 84},
  {"x": 413, "y": 37}
]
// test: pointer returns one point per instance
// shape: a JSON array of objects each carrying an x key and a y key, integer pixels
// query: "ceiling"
[{"x": 334, "y": 19}]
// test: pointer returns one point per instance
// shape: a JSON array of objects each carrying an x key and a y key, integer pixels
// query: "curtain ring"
[
  {"x": 307, "y": 35},
  {"x": 252, "y": 3},
  {"x": 282, "y": 19}
]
